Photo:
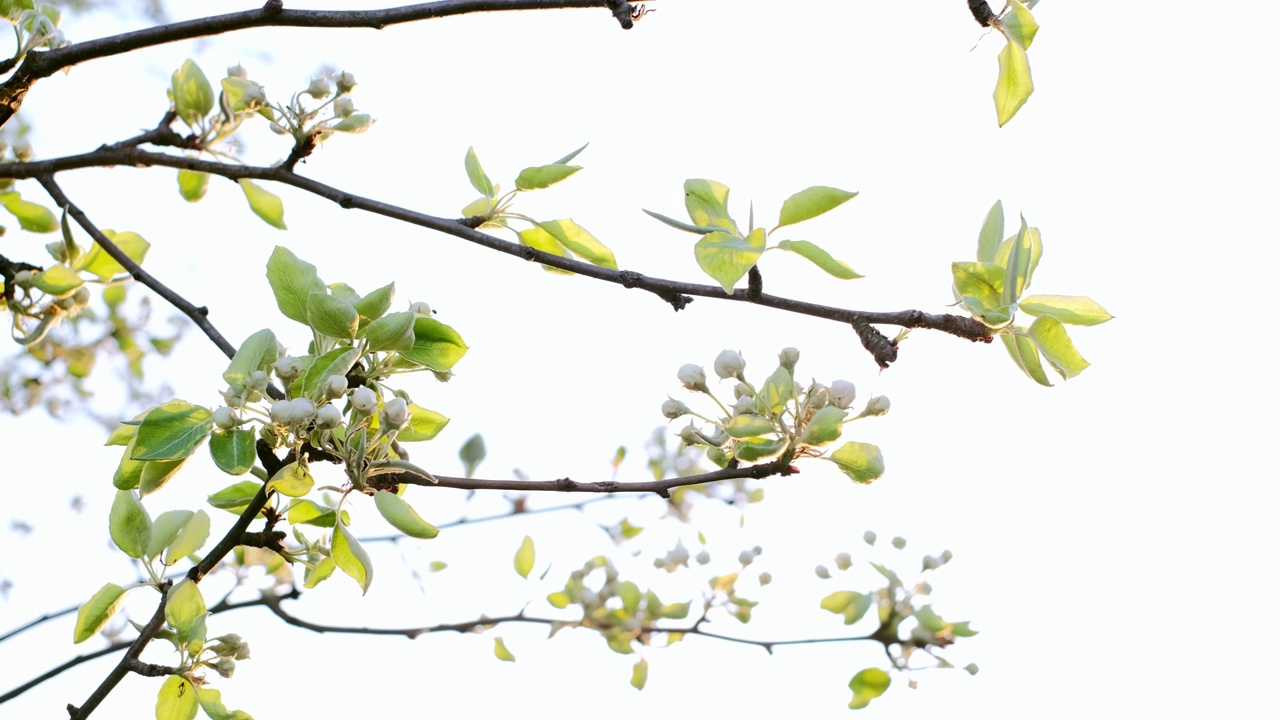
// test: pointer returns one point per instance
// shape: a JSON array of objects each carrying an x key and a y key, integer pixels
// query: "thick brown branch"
[
  {"x": 112, "y": 648},
  {"x": 982, "y": 13},
  {"x": 39, "y": 65},
  {"x": 675, "y": 292}
]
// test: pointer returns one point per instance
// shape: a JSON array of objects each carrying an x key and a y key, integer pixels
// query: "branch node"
[
  {"x": 982, "y": 13},
  {"x": 630, "y": 279},
  {"x": 472, "y": 222},
  {"x": 882, "y": 349},
  {"x": 273, "y": 7},
  {"x": 755, "y": 283},
  {"x": 622, "y": 12}
]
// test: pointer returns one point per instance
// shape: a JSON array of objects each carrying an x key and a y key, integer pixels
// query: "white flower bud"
[
  {"x": 946, "y": 557},
  {"x": 278, "y": 129},
  {"x": 288, "y": 368},
  {"x": 254, "y": 95},
  {"x": 282, "y": 412},
  {"x": 421, "y": 308},
  {"x": 22, "y": 151},
  {"x": 703, "y": 557},
  {"x": 729, "y": 364},
  {"x": 328, "y": 417},
  {"x": 304, "y": 410},
  {"x": 690, "y": 435},
  {"x": 869, "y": 537},
  {"x": 344, "y": 106},
  {"x": 81, "y": 296},
  {"x": 672, "y": 409},
  {"x": 788, "y": 358},
  {"x": 765, "y": 579},
  {"x": 364, "y": 400},
  {"x": 395, "y": 413},
  {"x": 742, "y": 390},
  {"x": 929, "y": 562},
  {"x": 899, "y": 542},
  {"x": 257, "y": 380},
  {"x": 745, "y": 557},
  {"x": 692, "y": 377},
  {"x": 744, "y": 406},
  {"x": 335, "y": 387},
  {"x": 822, "y": 572},
  {"x": 844, "y": 561},
  {"x": 971, "y": 668},
  {"x": 842, "y": 393},
  {"x": 320, "y": 88},
  {"x": 819, "y": 397},
  {"x": 238, "y": 71},
  {"x": 346, "y": 82},
  {"x": 876, "y": 406},
  {"x": 224, "y": 418}
]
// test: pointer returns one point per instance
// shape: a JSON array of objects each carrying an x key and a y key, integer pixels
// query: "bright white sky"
[{"x": 1112, "y": 534}]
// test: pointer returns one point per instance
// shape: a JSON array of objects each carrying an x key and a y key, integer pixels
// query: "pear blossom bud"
[
  {"x": 335, "y": 387},
  {"x": 288, "y": 368},
  {"x": 395, "y": 413},
  {"x": 23, "y": 278},
  {"x": 257, "y": 380},
  {"x": 744, "y": 406},
  {"x": 822, "y": 572},
  {"x": 899, "y": 542},
  {"x": 729, "y": 364},
  {"x": 742, "y": 390},
  {"x": 690, "y": 436},
  {"x": 703, "y": 557},
  {"x": 869, "y": 537},
  {"x": 971, "y": 668},
  {"x": 745, "y": 558},
  {"x": 282, "y": 412},
  {"x": 224, "y": 418},
  {"x": 765, "y": 579},
  {"x": 304, "y": 410},
  {"x": 717, "y": 438},
  {"x": 319, "y": 88},
  {"x": 421, "y": 308},
  {"x": 844, "y": 561},
  {"x": 226, "y": 667},
  {"x": 842, "y": 393},
  {"x": 328, "y": 417},
  {"x": 346, "y": 82},
  {"x": 364, "y": 400},
  {"x": 81, "y": 296},
  {"x": 672, "y": 409},
  {"x": 22, "y": 151},
  {"x": 923, "y": 588},
  {"x": 238, "y": 71},
  {"x": 819, "y": 397},
  {"x": 344, "y": 106},
  {"x": 876, "y": 406},
  {"x": 946, "y": 556},
  {"x": 693, "y": 377},
  {"x": 278, "y": 129},
  {"x": 929, "y": 562},
  {"x": 788, "y": 358},
  {"x": 254, "y": 95}
]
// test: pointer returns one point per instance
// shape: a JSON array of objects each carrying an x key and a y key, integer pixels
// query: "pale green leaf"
[
  {"x": 393, "y": 332},
  {"x": 423, "y": 424},
  {"x": 1019, "y": 25},
  {"x": 338, "y": 361},
  {"x": 403, "y": 517},
  {"x": 237, "y": 497},
  {"x": 351, "y": 557},
  {"x": 332, "y": 316},
  {"x": 991, "y": 234},
  {"x": 95, "y": 614},
  {"x": 578, "y": 241},
  {"x": 257, "y": 352},
  {"x": 1070, "y": 309},
  {"x": 292, "y": 281},
  {"x": 1013, "y": 86},
  {"x": 32, "y": 217},
  {"x": 754, "y": 449},
  {"x": 524, "y": 557},
  {"x": 436, "y": 346},
  {"x": 862, "y": 462},
  {"x": 293, "y": 480},
  {"x": 640, "y": 674},
  {"x": 479, "y": 180},
  {"x": 98, "y": 262},
  {"x": 472, "y": 453},
  {"x": 812, "y": 202},
  {"x": 708, "y": 204},
  {"x": 981, "y": 281},
  {"x": 192, "y": 184},
  {"x": 211, "y": 703},
  {"x": 192, "y": 93},
  {"x": 375, "y": 304},
  {"x": 571, "y": 155},
  {"x": 184, "y": 607},
  {"x": 233, "y": 450},
  {"x": 819, "y": 257},
  {"x": 696, "y": 229},
  {"x": 539, "y": 239},
  {"x": 165, "y": 529},
  {"x": 177, "y": 699},
  {"x": 314, "y": 576},
  {"x": 1019, "y": 265},
  {"x": 1056, "y": 347},
  {"x": 726, "y": 258},
  {"x": 775, "y": 393},
  {"x": 57, "y": 280},
  {"x": 192, "y": 537},
  {"x": 264, "y": 204},
  {"x": 501, "y": 652},
  {"x": 129, "y": 472},
  {"x": 543, "y": 176},
  {"x": 130, "y": 524},
  {"x": 172, "y": 431},
  {"x": 156, "y": 473},
  {"x": 746, "y": 426},
  {"x": 868, "y": 685},
  {"x": 824, "y": 427},
  {"x": 1025, "y": 355}
]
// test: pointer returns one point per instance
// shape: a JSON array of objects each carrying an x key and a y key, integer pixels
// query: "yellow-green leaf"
[
  {"x": 501, "y": 652},
  {"x": 524, "y": 557},
  {"x": 192, "y": 184},
  {"x": 192, "y": 93},
  {"x": 726, "y": 258},
  {"x": 1070, "y": 309},
  {"x": 293, "y": 480},
  {"x": 1024, "y": 354},
  {"x": 98, "y": 611},
  {"x": 640, "y": 674},
  {"x": 867, "y": 685},
  {"x": 99, "y": 263},
  {"x": 1019, "y": 25},
  {"x": 820, "y": 257},
  {"x": 264, "y": 204},
  {"x": 57, "y": 280},
  {"x": 1013, "y": 86},
  {"x": 862, "y": 462},
  {"x": 351, "y": 557},
  {"x": 479, "y": 180},
  {"x": 812, "y": 202},
  {"x": 1056, "y": 346},
  {"x": 708, "y": 204},
  {"x": 184, "y": 607},
  {"x": 177, "y": 699},
  {"x": 130, "y": 524},
  {"x": 403, "y": 517},
  {"x": 578, "y": 241}
]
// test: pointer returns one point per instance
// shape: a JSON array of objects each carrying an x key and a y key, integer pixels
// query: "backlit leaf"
[
  {"x": 95, "y": 614},
  {"x": 812, "y": 202},
  {"x": 726, "y": 258},
  {"x": 264, "y": 204}
]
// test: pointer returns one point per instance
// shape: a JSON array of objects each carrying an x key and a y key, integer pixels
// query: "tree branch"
[
  {"x": 38, "y": 65},
  {"x": 114, "y": 647},
  {"x": 675, "y": 292},
  {"x": 122, "y": 668},
  {"x": 982, "y": 13}
]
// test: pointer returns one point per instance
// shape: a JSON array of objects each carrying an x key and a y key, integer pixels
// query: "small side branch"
[
  {"x": 122, "y": 668},
  {"x": 982, "y": 13}
]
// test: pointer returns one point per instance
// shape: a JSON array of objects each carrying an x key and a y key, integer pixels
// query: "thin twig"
[{"x": 122, "y": 668}]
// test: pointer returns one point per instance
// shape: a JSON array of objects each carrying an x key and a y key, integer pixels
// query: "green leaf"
[
  {"x": 211, "y": 702},
  {"x": 31, "y": 216},
  {"x": 1025, "y": 355},
  {"x": 812, "y": 202},
  {"x": 57, "y": 280},
  {"x": 696, "y": 229},
  {"x": 824, "y": 426},
  {"x": 375, "y": 304},
  {"x": 479, "y": 180},
  {"x": 235, "y": 497},
  {"x": 403, "y": 517},
  {"x": 354, "y": 124},
  {"x": 436, "y": 346},
  {"x": 192, "y": 93},
  {"x": 571, "y": 155},
  {"x": 392, "y": 332},
  {"x": 125, "y": 433},
  {"x": 775, "y": 393},
  {"x": 983, "y": 282},
  {"x": 640, "y": 674},
  {"x": 156, "y": 473},
  {"x": 165, "y": 529},
  {"x": 472, "y": 453},
  {"x": 338, "y": 361},
  {"x": 293, "y": 480},
  {"x": 819, "y": 257},
  {"x": 129, "y": 472},
  {"x": 184, "y": 607},
  {"x": 332, "y": 316},
  {"x": 423, "y": 424},
  {"x": 852, "y": 605},
  {"x": 862, "y": 462},
  {"x": 351, "y": 557},
  {"x": 233, "y": 450},
  {"x": 753, "y": 449},
  {"x": 306, "y": 512},
  {"x": 524, "y": 557},
  {"x": 264, "y": 204},
  {"x": 1070, "y": 309},
  {"x": 708, "y": 204},
  {"x": 1018, "y": 266},
  {"x": 130, "y": 524},
  {"x": 1014, "y": 85},
  {"x": 868, "y": 685},
  {"x": 578, "y": 241},
  {"x": 991, "y": 233},
  {"x": 480, "y": 207},
  {"x": 99, "y": 263},
  {"x": 192, "y": 184},
  {"x": 190, "y": 538},
  {"x": 292, "y": 281},
  {"x": 1056, "y": 346},
  {"x": 234, "y": 89},
  {"x": 726, "y": 258},
  {"x": 172, "y": 431},
  {"x": 746, "y": 426},
  {"x": 98, "y": 611},
  {"x": 177, "y": 699},
  {"x": 1019, "y": 25},
  {"x": 501, "y": 652},
  {"x": 257, "y": 352},
  {"x": 543, "y": 176}
]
